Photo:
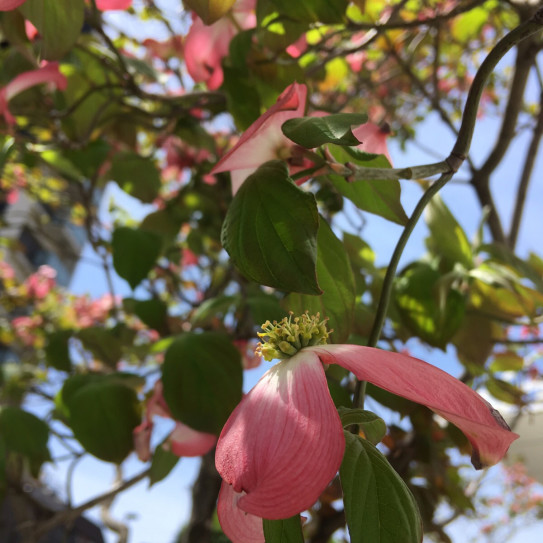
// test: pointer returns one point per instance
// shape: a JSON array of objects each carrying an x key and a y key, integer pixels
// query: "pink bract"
[
  {"x": 373, "y": 139},
  {"x": 206, "y": 46},
  {"x": 49, "y": 73},
  {"x": 182, "y": 441},
  {"x": 284, "y": 442},
  {"x": 8, "y": 5},
  {"x": 112, "y": 5},
  {"x": 263, "y": 140}
]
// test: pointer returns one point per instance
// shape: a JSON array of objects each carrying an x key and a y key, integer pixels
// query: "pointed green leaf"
[
  {"x": 59, "y": 23},
  {"x": 25, "y": 434},
  {"x": 102, "y": 343},
  {"x": 283, "y": 531},
  {"x": 378, "y": 505},
  {"x": 447, "y": 238},
  {"x": 135, "y": 253},
  {"x": 136, "y": 175},
  {"x": 105, "y": 430},
  {"x": 153, "y": 312},
  {"x": 270, "y": 231},
  {"x": 507, "y": 361},
  {"x": 433, "y": 315},
  {"x": 57, "y": 352},
  {"x": 374, "y": 427},
  {"x": 162, "y": 464},
  {"x": 310, "y": 132},
  {"x": 202, "y": 379},
  {"x": 336, "y": 279}
]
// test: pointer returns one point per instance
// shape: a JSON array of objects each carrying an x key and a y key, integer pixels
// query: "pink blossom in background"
[
  {"x": 164, "y": 49},
  {"x": 30, "y": 30},
  {"x": 8, "y": 5},
  {"x": 264, "y": 140},
  {"x": 48, "y": 73},
  {"x": 284, "y": 442},
  {"x": 373, "y": 139},
  {"x": 6, "y": 271},
  {"x": 39, "y": 284},
  {"x": 182, "y": 441},
  {"x": 296, "y": 49},
  {"x": 25, "y": 328},
  {"x": 112, "y": 5},
  {"x": 90, "y": 312},
  {"x": 206, "y": 46}
]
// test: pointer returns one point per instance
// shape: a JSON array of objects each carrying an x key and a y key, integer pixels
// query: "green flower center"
[{"x": 284, "y": 339}]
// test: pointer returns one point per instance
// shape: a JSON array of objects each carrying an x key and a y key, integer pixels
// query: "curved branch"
[{"x": 526, "y": 176}]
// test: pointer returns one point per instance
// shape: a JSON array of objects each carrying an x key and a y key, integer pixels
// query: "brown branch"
[
  {"x": 204, "y": 499},
  {"x": 526, "y": 176},
  {"x": 69, "y": 515},
  {"x": 526, "y": 53}
]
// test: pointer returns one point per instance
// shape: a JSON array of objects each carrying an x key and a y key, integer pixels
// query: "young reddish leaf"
[
  {"x": 378, "y": 504},
  {"x": 270, "y": 231}
]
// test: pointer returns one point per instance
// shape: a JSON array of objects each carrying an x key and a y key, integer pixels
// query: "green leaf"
[
  {"x": 310, "y": 132},
  {"x": 432, "y": 313},
  {"x": 136, "y": 175},
  {"x": 202, "y": 380},
  {"x": 162, "y": 464},
  {"x": 283, "y": 531},
  {"x": 270, "y": 231},
  {"x": 336, "y": 279},
  {"x": 57, "y": 353},
  {"x": 447, "y": 238},
  {"x": 374, "y": 427},
  {"x": 102, "y": 414},
  {"x": 213, "y": 308},
  {"x": 504, "y": 391},
  {"x": 321, "y": 11},
  {"x": 507, "y": 361},
  {"x": 210, "y": 10},
  {"x": 59, "y": 23},
  {"x": 25, "y": 434},
  {"x": 153, "y": 313},
  {"x": 102, "y": 343},
  {"x": 135, "y": 253},
  {"x": 378, "y": 505}
]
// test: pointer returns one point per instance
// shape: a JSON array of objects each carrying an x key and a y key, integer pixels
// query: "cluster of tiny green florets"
[{"x": 285, "y": 338}]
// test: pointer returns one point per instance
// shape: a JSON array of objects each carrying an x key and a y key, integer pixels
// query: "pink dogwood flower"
[
  {"x": 49, "y": 73},
  {"x": 206, "y": 46},
  {"x": 264, "y": 140},
  {"x": 183, "y": 440},
  {"x": 39, "y": 284},
  {"x": 284, "y": 442}
]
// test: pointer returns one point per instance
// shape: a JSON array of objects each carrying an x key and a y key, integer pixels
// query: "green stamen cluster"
[{"x": 285, "y": 338}]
